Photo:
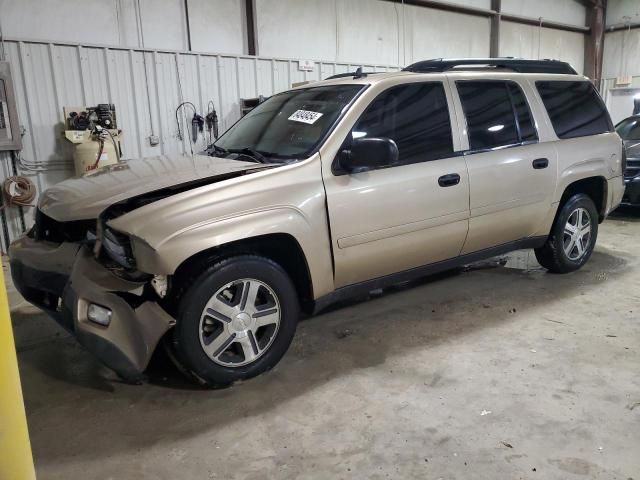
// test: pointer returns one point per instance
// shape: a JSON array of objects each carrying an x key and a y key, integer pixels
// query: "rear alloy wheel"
[
  {"x": 236, "y": 321},
  {"x": 573, "y": 236},
  {"x": 577, "y": 233}
]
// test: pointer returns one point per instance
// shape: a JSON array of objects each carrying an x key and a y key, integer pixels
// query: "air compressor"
[{"x": 95, "y": 135}]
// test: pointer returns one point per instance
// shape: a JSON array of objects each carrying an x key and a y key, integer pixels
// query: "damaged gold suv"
[{"x": 321, "y": 192}]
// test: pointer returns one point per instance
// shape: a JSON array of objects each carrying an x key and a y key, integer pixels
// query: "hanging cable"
[
  {"x": 115, "y": 145},
  {"x": 3, "y": 54},
  {"x": 539, "y": 35},
  {"x": 404, "y": 34},
  {"x": 99, "y": 155},
  {"x": 40, "y": 166},
  {"x": 212, "y": 122},
  {"x": 102, "y": 134},
  {"x": 395, "y": 7},
  {"x": 183, "y": 102},
  {"x": 197, "y": 123},
  {"x": 178, "y": 120}
]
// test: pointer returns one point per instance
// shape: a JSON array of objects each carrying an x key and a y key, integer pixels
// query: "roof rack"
[
  {"x": 519, "y": 65},
  {"x": 357, "y": 74}
]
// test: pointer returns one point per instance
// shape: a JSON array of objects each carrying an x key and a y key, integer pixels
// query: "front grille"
[
  {"x": 633, "y": 168},
  {"x": 50, "y": 230}
]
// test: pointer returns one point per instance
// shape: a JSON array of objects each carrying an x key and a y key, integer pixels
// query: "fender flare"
[{"x": 165, "y": 257}]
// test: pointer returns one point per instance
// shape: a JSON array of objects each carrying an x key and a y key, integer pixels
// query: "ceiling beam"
[
  {"x": 541, "y": 22},
  {"x": 622, "y": 26},
  {"x": 446, "y": 6},
  {"x": 492, "y": 13}
]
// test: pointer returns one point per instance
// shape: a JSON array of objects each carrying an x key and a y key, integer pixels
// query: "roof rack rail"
[
  {"x": 357, "y": 74},
  {"x": 519, "y": 65}
]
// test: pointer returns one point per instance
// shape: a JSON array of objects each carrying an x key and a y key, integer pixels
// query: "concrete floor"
[{"x": 493, "y": 373}]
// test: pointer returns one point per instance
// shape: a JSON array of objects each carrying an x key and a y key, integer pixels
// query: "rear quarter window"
[{"x": 575, "y": 108}]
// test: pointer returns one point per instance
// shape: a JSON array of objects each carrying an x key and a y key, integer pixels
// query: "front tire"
[
  {"x": 236, "y": 320},
  {"x": 573, "y": 236}
]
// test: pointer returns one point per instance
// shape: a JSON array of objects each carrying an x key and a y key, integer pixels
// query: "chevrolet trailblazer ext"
[{"x": 323, "y": 191}]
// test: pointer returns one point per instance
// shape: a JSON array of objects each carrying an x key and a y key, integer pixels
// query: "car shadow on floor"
[
  {"x": 62, "y": 381},
  {"x": 625, "y": 213}
]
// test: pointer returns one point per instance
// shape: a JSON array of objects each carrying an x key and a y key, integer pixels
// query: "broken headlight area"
[
  {"x": 113, "y": 250},
  {"x": 118, "y": 247},
  {"x": 47, "y": 229}
]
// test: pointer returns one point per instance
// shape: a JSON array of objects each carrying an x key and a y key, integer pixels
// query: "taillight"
[{"x": 624, "y": 159}]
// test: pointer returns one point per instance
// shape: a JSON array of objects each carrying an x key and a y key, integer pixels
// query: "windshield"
[
  {"x": 288, "y": 125},
  {"x": 629, "y": 129}
]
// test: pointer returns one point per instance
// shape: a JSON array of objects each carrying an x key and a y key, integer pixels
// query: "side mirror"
[{"x": 369, "y": 154}]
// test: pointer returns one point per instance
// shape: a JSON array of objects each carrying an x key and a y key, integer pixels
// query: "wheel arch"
[
  {"x": 282, "y": 248},
  {"x": 595, "y": 187}
]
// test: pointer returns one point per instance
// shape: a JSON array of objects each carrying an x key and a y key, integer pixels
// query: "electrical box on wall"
[{"x": 10, "y": 138}]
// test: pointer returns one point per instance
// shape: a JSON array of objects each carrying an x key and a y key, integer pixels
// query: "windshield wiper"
[
  {"x": 249, "y": 152},
  {"x": 255, "y": 155},
  {"x": 218, "y": 149}
]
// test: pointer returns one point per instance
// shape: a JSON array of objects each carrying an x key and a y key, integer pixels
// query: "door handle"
[
  {"x": 449, "y": 180},
  {"x": 539, "y": 163}
]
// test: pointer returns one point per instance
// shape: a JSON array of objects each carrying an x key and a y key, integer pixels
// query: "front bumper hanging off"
[{"x": 64, "y": 280}]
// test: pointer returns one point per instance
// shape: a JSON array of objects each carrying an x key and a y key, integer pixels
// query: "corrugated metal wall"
[
  {"x": 145, "y": 85},
  {"x": 620, "y": 99}
]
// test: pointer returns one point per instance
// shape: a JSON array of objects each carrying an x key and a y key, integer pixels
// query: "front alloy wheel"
[
  {"x": 240, "y": 322},
  {"x": 236, "y": 320}
]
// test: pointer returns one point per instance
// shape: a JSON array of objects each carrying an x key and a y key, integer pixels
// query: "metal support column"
[
  {"x": 494, "y": 48},
  {"x": 594, "y": 44},
  {"x": 250, "y": 10}
]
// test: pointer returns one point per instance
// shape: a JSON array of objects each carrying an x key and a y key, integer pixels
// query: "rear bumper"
[
  {"x": 64, "y": 279},
  {"x": 632, "y": 191},
  {"x": 615, "y": 188}
]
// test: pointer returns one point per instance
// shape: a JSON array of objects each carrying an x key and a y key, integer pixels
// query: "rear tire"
[
  {"x": 236, "y": 320},
  {"x": 573, "y": 236}
]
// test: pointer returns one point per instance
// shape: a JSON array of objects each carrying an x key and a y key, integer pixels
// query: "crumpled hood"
[{"x": 86, "y": 197}]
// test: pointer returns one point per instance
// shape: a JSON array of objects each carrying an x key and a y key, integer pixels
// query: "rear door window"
[
  {"x": 526, "y": 125},
  {"x": 490, "y": 116},
  {"x": 575, "y": 108}
]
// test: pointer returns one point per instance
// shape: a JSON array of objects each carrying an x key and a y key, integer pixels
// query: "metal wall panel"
[
  {"x": 571, "y": 12},
  {"x": 620, "y": 98},
  {"x": 621, "y": 53},
  {"x": 145, "y": 85},
  {"x": 621, "y": 12},
  {"x": 435, "y": 33},
  {"x": 527, "y": 41}
]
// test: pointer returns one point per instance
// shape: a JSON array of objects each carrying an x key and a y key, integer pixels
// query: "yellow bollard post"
[{"x": 16, "y": 461}]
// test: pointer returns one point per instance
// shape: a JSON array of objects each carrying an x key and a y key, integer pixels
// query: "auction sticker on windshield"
[{"x": 305, "y": 116}]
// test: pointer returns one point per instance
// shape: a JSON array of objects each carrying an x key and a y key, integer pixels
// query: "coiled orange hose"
[{"x": 21, "y": 195}]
